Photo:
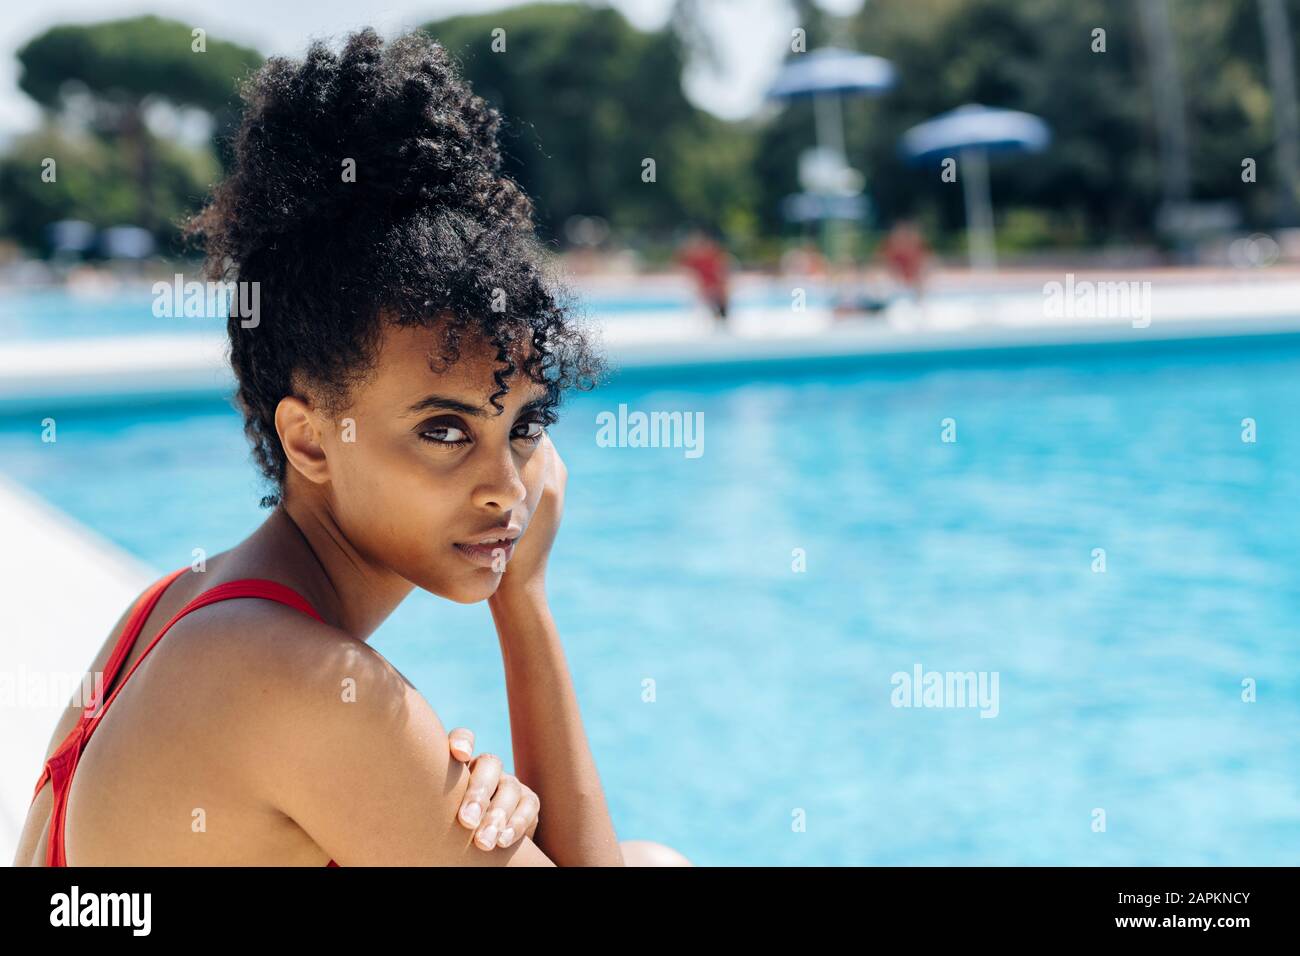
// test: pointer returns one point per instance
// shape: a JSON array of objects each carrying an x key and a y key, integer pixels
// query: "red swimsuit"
[{"x": 59, "y": 768}]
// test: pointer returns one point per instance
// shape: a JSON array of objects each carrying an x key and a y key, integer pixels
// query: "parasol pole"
[{"x": 979, "y": 209}]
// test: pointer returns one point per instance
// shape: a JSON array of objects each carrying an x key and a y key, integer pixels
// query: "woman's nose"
[{"x": 501, "y": 486}]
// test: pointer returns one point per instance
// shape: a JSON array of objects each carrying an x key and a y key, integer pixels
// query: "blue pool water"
[
  {"x": 57, "y": 314},
  {"x": 1118, "y": 690},
  {"x": 40, "y": 315}
]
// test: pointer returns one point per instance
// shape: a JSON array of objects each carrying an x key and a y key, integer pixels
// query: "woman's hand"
[
  {"x": 526, "y": 568},
  {"x": 497, "y": 807}
]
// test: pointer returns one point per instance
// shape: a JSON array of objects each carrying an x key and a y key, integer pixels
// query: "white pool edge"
[{"x": 64, "y": 586}]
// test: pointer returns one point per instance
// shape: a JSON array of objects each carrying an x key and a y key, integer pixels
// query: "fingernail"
[
  {"x": 487, "y": 836},
  {"x": 471, "y": 813},
  {"x": 506, "y": 836},
  {"x": 460, "y": 748}
]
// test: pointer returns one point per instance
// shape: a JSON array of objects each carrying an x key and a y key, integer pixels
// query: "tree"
[
  {"x": 1102, "y": 176},
  {"x": 587, "y": 99},
  {"x": 93, "y": 181},
  {"x": 122, "y": 66}
]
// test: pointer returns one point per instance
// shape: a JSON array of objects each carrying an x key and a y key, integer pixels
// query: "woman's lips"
[{"x": 486, "y": 555}]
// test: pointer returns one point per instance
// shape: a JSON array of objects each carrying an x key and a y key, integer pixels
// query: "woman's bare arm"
[
  {"x": 551, "y": 752},
  {"x": 344, "y": 746}
]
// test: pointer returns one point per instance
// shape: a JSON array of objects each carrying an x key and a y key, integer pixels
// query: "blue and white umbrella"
[
  {"x": 825, "y": 75},
  {"x": 831, "y": 70},
  {"x": 969, "y": 134}
]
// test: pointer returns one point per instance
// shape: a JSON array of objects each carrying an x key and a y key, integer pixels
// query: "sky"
[{"x": 750, "y": 35}]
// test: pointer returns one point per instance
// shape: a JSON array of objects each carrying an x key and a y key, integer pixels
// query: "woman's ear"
[{"x": 299, "y": 430}]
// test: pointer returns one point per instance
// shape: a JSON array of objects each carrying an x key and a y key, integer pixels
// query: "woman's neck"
[{"x": 302, "y": 541}]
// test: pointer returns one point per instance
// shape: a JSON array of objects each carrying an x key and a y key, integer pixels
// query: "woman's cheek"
[
  {"x": 401, "y": 466},
  {"x": 380, "y": 481}
]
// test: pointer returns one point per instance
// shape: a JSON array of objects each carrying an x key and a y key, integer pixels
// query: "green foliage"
[
  {"x": 96, "y": 182},
  {"x": 133, "y": 59},
  {"x": 587, "y": 98},
  {"x": 1101, "y": 176},
  {"x": 118, "y": 172}
]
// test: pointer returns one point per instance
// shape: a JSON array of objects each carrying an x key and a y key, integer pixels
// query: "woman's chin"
[{"x": 469, "y": 589}]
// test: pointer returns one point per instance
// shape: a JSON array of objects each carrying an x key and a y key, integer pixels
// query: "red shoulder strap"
[
  {"x": 248, "y": 588},
  {"x": 144, "y": 606},
  {"x": 243, "y": 588},
  {"x": 65, "y": 759}
]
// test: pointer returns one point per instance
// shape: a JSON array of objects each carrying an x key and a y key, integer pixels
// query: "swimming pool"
[
  {"x": 58, "y": 313},
  {"x": 1119, "y": 691}
]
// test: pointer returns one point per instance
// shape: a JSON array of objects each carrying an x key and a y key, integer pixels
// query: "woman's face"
[{"x": 422, "y": 462}]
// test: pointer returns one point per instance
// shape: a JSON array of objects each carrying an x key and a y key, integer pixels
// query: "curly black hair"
[{"x": 426, "y": 231}]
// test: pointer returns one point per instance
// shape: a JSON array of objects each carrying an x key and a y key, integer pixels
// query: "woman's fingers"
[
  {"x": 523, "y": 821},
  {"x": 462, "y": 743},
  {"x": 485, "y": 774},
  {"x": 497, "y": 806},
  {"x": 499, "y": 811},
  {"x": 510, "y": 817}
]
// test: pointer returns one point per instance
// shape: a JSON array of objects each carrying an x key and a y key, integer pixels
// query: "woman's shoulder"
[
  {"x": 297, "y": 702},
  {"x": 260, "y": 662},
  {"x": 261, "y": 641}
]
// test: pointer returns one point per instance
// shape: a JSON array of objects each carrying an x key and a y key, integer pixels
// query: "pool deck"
[
  {"x": 64, "y": 589},
  {"x": 65, "y": 586}
]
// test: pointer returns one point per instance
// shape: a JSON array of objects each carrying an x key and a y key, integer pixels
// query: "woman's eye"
[
  {"x": 444, "y": 435},
  {"x": 533, "y": 431}
]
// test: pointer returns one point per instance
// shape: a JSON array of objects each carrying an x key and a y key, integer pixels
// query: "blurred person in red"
[
  {"x": 906, "y": 255},
  {"x": 707, "y": 261}
]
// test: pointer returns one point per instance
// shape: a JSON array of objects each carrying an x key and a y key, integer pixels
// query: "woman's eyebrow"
[
  {"x": 446, "y": 403},
  {"x": 430, "y": 402}
]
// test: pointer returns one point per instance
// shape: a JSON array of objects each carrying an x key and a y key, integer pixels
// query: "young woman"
[{"x": 395, "y": 384}]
